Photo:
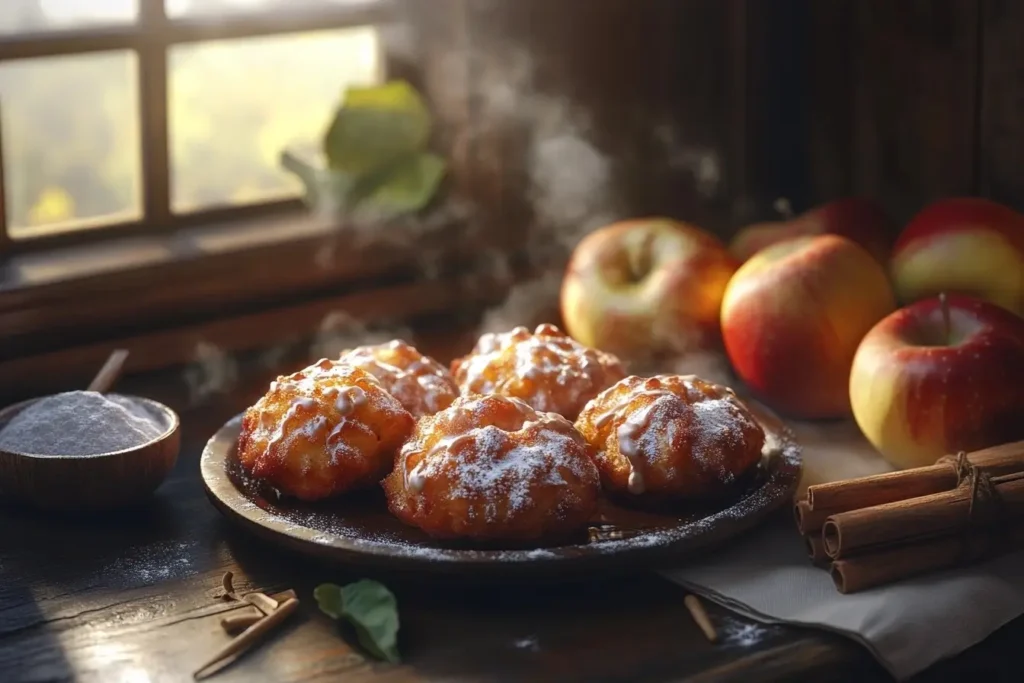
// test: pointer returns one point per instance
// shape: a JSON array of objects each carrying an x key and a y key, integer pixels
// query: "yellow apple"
[{"x": 646, "y": 286}]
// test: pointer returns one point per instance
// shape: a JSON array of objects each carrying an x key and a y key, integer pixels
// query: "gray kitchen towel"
[{"x": 766, "y": 576}]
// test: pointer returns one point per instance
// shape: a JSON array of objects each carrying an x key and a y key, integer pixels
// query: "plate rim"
[{"x": 668, "y": 544}]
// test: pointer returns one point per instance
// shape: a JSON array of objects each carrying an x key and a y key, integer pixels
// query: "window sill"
[{"x": 75, "y": 297}]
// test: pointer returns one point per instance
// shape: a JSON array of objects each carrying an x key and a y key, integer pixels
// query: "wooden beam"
[
  {"x": 304, "y": 17},
  {"x": 33, "y": 375},
  {"x": 153, "y": 118}
]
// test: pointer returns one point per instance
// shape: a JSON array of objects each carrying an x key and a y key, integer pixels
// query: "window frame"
[
  {"x": 151, "y": 37},
  {"x": 158, "y": 287}
]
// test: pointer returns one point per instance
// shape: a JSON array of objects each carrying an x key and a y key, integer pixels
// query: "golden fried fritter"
[
  {"x": 492, "y": 468},
  {"x": 548, "y": 369},
  {"x": 670, "y": 438},
  {"x": 322, "y": 431},
  {"x": 421, "y": 384}
]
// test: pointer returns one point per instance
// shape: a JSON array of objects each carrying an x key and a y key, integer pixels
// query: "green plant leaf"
[
  {"x": 371, "y": 609},
  {"x": 375, "y": 127},
  {"x": 405, "y": 187},
  {"x": 325, "y": 189},
  {"x": 329, "y": 599}
]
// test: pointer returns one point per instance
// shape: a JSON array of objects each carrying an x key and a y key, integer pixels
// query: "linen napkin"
[{"x": 765, "y": 575}]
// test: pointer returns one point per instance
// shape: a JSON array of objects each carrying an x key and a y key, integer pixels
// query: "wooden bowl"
[{"x": 90, "y": 482}]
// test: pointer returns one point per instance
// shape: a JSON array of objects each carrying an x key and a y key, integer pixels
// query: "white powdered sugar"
[
  {"x": 422, "y": 385},
  {"x": 717, "y": 428},
  {"x": 547, "y": 361},
  {"x": 497, "y": 471},
  {"x": 322, "y": 373},
  {"x": 81, "y": 423}
]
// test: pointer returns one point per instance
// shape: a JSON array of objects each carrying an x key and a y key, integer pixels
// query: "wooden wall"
[
  {"x": 896, "y": 100},
  {"x": 904, "y": 101},
  {"x": 913, "y": 100}
]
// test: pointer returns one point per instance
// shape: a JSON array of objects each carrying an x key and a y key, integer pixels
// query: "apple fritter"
[
  {"x": 547, "y": 369},
  {"x": 670, "y": 438},
  {"x": 322, "y": 431},
  {"x": 421, "y": 384},
  {"x": 491, "y": 468}
]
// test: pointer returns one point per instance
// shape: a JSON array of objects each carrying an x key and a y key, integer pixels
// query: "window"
[{"x": 147, "y": 115}]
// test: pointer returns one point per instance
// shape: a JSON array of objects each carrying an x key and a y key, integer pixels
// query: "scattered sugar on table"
[{"x": 81, "y": 423}]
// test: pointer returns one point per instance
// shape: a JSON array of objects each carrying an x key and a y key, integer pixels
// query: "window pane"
[
  {"x": 198, "y": 8},
  {"x": 29, "y": 16},
  {"x": 71, "y": 141},
  {"x": 236, "y": 105}
]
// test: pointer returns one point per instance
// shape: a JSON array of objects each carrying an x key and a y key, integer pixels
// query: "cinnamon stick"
[
  {"x": 809, "y": 521},
  {"x": 886, "y": 566},
  {"x": 236, "y": 623},
  {"x": 261, "y": 602},
  {"x": 904, "y": 521},
  {"x": 246, "y": 639},
  {"x": 853, "y": 494},
  {"x": 264, "y": 604},
  {"x": 816, "y": 550},
  {"x": 700, "y": 616}
]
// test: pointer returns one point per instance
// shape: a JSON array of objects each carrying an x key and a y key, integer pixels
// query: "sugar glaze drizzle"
[
  {"x": 630, "y": 429},
  {"x": 345, "y": 400},
  {"x": 422, "y": 377},
  {"x": 298, "y": 405}
]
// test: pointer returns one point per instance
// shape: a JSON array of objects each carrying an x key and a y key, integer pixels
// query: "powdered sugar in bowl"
[{"x": 81, "y": 450}]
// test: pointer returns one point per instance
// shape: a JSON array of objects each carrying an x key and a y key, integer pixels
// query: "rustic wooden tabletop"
[{"x": 130, "y": 596}]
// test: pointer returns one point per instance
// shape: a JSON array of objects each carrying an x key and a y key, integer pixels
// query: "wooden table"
[{"x": 129, "y": 597}]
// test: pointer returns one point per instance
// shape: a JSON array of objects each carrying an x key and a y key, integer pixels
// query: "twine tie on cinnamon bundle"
[{"x": 986, "y": 504}]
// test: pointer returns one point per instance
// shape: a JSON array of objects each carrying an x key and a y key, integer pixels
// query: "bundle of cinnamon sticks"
[{"x": 880, "y": 529}]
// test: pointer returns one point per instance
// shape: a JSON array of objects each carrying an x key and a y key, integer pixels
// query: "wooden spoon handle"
[{"x": 110, "y": 371}]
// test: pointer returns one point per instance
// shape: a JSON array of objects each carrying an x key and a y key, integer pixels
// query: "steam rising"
[
  {"x": 213, "y": 372},
  {"x": 569, "y": 188},
  {"x": 339, "y": 332},
  {"x": 569, "y": 180}
]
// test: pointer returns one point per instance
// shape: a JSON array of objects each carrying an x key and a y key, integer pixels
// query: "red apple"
[
  {"x": 793, "y": 316},
  {"x": 930, "y": 380},
  {"x": 964, "y": 245},
  {"x": 644, "y": 286},
  {"x": 854, "y": 218}
]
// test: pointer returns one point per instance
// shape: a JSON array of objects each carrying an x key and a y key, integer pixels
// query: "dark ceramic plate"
[{"x": 358, "y": 530}]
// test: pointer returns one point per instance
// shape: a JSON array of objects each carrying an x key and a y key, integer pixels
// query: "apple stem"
[
  {"x": 640, "y": 262},
  {"x": 946, "y": 324},
  {"x": 784, "y": 208}
]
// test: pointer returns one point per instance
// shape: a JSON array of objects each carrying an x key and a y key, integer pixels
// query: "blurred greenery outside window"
[{"x": 72, "y": 130}]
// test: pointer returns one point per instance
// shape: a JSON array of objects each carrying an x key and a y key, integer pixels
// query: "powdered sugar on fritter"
[
  {"x": 421, "y": 384},
  {"x": 484, "y": 466},
  {"x": 546, "y": 368},
  {"x": 307, "y": 417},
  {"x": 718, "y": 428},
  {"x": 654, "y": 418}
]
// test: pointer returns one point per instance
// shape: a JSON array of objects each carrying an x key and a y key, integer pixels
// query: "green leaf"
[
  {"x": 325, "y": 189},
  {"x": 329, "y": 598},
  {"x": 375, "y": 127},
  {"x": 371, "y": 609},
  {"x": 405, "y": 187}
]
